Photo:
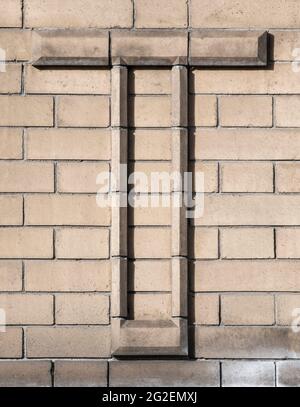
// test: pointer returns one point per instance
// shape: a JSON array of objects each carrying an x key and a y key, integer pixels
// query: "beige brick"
[
  {"x": 248, "y": 374},
  {"x": 285, "y": 43},
  {"x": 144, "y": 176},
  {"x": 80, "y": 373},
  {"x": 164, "y": 373},
  {"x": 26, "y": 111},
  {"x": 204, "y": 243},
  {"x": 141, "y": 272},
  {"x": 68, "y": 144},
  {"x": 11, "y": 13},
  {"x": 245, "y": 144},
  {"x": 78, "y": 243},
  {"x": 64, "y": 342},
  {"x": 206, "y": 309},
  {"x": 287, "y": 177},
  {"x": 80, "y": 177},
  {"x": 83, "y": 111},
  {"x": 16, "y": 43},
  {"x": 26, "y": 177},
  {"x": 156, "y": 14},
  {"x": 26, "y": 243},
  {"x": 209, "y": 172},
  {"x": 288, "y": 243},
  {"x": 25, "y": 374},
  {"x": 247, "y": 309},
  {"x": 150, "y": 306},
  {"x": 241, "y": 14},
  {"x": 27, "y": 309},
  {"x": 203, "y": 111},
  {"x": 10, "y": 79},
  {"x": 246, "y": 111},
  {"x": 280, "y": 80},
  {"x": 67, "y": 276},
  {"x": 150, "y": 144},
  {"x": 150, "y": 216},
  {"x": 65, "y": 210},
  {"x": 11, "y": 210},
  {"x": 288, "y": 373},
  {"x": 160, "y": 246},
  {"x": 85, "y": 309},
  {"x": 268, "y": 275},
  {"x": 287, "y": 309},
  {"x": 11, "y": 343},
  {"x": 10, "y": 276},
  {"x": 246, "y": 342},
  {"x": 67, "y": 81},
  {"x": 10, "y": 144},
  {"x": 247, "y": 243},
  {"x": 286, "y": 111},
  {"x": 250, "y": 210},
  {"x": 247, "y": 177},
  {"x": 150, "y": 111},
  {"x": 149, "y": 81},
  {"x": 78, "y": 14}
]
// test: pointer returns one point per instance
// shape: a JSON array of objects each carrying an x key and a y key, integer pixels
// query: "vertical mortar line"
[
  {"x": 179, "y": 225},
  {"x": 23, "y": 13}
]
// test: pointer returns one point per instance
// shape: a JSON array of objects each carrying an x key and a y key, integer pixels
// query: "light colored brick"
[
  {"x": 66, "y": 342},
  {"x": 246, "y": 275},
  {"x": 10, "y": 144},
  {"x": 206, "y": 309},
  {"x": 245, "y": 144},
  {"x": 80, "y": 373},
  {"x": 10, "y": 276},
  {"x": 26, "y": 111},
  {"x": 26, "y": 243},
  {"x": 150, "y": 306},
  {"x": 26, "y": 177},
  {"x": 288, "y": 373},
  {"x": 248, "y": 374},
  {"x": 56, "y": 276},
  {"x": 80, "y": 177},
  {"x": 78, "y": 14},
  {"x": 160, "y": 246},
  {"x": 11, "y": 343},
  {"x": 246, "y": 111},
  {"x": 204, "y": 243},
  {"x": 11, "y": 13},
  {"x": 203, "y": 111},
  {"x": 286, "y": 111},
  {"x": 164, "y": 373},
  {"x": 149, "y": 81},
  {"x": 280, "y": 80},
  {"x": 241, "y": 14},
  {"x": 246, "y": 342},
  {"x": 150, "y": 144},
  {"x": 287, "y": 177},
  {"x": 67, "y": 81},
  {"x": 140, "y": 275},
  {"x": 11, "y": 210},
  {"x": 77, "y": 243},
  {"x": 85, "y": 309},
  {"x": 208, "y": 172},
  {"x": 144, "y": 176},
  {"x": 155, "y": 14},
  {"x": 150, "y": 111},
  {"x": 16, "y": 43},
  {"x": 25, "y": 374},
  {"x": 247, "y": 309},
  {"x": 247, "y": 177},
  {"x": 287, "y": 309},
  {"x": 284, "y": 45},
  {"x": 83, "y": 111},
  {"x": 247, "y": 243},
  {"x": 250, "y": 210},
  {"x": 158, "y": 215},
  {"x": 68, "y": 144},
  {"x": 10, "y": 79},
  {"x": 27, "y": 309},
  {"x": 288, "y": 243},
  {"x": 81, "y": 210}
]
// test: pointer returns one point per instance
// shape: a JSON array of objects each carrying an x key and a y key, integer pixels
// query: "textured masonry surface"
[{"x": 56, "y": 245}]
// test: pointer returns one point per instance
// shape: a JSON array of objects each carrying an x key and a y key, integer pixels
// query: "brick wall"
[{"x": 55, "y": 242}]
